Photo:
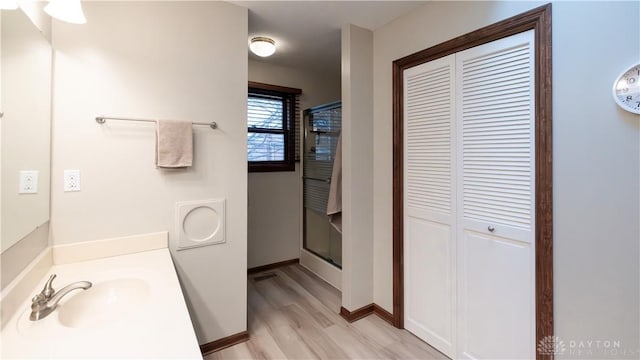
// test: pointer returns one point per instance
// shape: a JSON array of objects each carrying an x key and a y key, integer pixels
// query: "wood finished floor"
[{"x": 294, "y": 315}]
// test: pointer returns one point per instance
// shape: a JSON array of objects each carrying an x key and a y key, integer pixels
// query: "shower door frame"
[{"x": 305, "y": 128}]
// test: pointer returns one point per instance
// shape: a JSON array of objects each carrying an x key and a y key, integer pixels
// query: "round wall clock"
[{"x": 626, "y": 89}]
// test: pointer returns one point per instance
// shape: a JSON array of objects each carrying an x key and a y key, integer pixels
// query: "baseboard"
[
  {"x": 357, "y": 314},
  {"x": 224, "y": 342},
  {"x": 383, "y": 314},
  {"x": 365, "y": 311},
  {"x": 258, "y": 269}
]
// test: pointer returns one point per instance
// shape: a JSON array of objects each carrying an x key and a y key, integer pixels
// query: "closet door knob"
[{"x": 491, "y": 228}]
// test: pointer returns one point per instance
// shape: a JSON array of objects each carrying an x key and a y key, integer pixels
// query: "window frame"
[{"x": 288, "y": 96}]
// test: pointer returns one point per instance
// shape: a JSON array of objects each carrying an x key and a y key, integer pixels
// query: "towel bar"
[{"x": 103, "y": 119}]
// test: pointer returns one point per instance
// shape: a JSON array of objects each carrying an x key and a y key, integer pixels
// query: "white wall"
[
  {"x": 26, "y": 90},
  {"x": 156, "y": 60},
  {"x": 357, "y": 166},
  {"x": 596, "y": 176},
  {"x": 596, "y": 157},
  {"x": 26, "y": 124},
  {"x": 275, "y": 211},
  {"x": 317, "y": 88}
]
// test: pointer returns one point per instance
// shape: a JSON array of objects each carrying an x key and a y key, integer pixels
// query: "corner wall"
[
  {"x": 596, "y": 148},
  {"x": 156, "y": 60},
  {"x": 357, "y": 166}
]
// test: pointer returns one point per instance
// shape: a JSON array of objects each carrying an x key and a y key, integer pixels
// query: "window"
[{"x": 271, "y": 133}]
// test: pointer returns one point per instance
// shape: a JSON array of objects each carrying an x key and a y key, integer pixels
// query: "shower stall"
[{"x": 322, "y": 125}]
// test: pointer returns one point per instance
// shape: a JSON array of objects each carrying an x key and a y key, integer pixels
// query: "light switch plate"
[
  {"x": 71, "y": 180},
  {"x": 28, "y": 182}
]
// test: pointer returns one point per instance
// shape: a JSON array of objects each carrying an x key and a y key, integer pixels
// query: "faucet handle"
[
  {"x": 48, "y": 290},
  {"x": 37, "y": 299}
]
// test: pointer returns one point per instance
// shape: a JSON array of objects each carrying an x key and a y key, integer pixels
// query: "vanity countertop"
[{"x": 135, "y": 309}]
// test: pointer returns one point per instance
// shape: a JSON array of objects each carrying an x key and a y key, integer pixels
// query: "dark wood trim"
[
  {"x": 398, "y": 196},
  {"x": 267, "y": 166},
  {"x": 258, "y": 269},
  {"x": 383, "y": 314},
  {"x": 365, "y": 311},
  {"x": 532, "y": 19},
  {"x": 276, "y": 88},
  {"x": 544, "y": 180},
  {"x": 357, "y": 314},
  {"x": 538, "y": 19},
  {"x": 224, "y": 342},
  {"x": 267, "y": 131}
]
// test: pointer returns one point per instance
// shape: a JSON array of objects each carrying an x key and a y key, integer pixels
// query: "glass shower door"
[{"x": 321, "y": 133}]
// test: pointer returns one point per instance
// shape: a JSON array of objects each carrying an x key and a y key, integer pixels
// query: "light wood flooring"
[{"x": 294, "y": 315}]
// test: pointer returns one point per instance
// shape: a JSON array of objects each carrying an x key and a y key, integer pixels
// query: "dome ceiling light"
[{"x": 262, "y": 46}]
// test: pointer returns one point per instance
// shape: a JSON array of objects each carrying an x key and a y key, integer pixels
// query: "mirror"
[{"x": 25, "y": 127}]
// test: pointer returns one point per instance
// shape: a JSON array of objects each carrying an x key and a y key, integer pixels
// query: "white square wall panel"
[{"x": 200, "y": 223}]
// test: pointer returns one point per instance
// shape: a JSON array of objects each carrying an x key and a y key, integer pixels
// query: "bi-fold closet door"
[{"x": 469, "y": 181}]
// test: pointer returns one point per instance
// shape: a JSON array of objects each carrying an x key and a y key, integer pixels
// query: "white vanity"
[{"x": 134, "y": 308}]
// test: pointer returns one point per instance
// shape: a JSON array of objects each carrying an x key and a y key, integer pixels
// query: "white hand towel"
[{"x": 174, "y": 143}]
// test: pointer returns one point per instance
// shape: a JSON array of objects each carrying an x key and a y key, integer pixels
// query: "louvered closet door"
[
  {"x": 496, "y": 269},
  {"x": 429, "y": 216}
]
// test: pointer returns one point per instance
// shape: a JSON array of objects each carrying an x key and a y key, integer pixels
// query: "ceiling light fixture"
[
  {"x": 8, "y": 4},
  {"x": 262, "y": 46},
  {"x": 66, "y": 10}
]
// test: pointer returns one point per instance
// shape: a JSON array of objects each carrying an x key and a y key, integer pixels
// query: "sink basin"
[
  {"x": 134, "y": 310},
  {"x": 105, "y": 302}
]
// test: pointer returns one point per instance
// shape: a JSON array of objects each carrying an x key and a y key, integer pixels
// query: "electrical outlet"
[
  {"x": 71, "y": 180},
  {"x": 28, "y": 182}
]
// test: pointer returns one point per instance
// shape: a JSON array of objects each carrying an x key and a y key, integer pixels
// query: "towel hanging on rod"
[
  {"x": 103, "y": 119},
  {"x": 174, "y": 144}
]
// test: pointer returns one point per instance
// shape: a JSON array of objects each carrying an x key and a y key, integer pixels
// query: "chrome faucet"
[{"x": 44, "y": 303}]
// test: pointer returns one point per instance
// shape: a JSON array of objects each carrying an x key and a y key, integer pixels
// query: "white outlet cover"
[
  {"x": 28, "y": 182},
  {"x": 71, "y": 180}
]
